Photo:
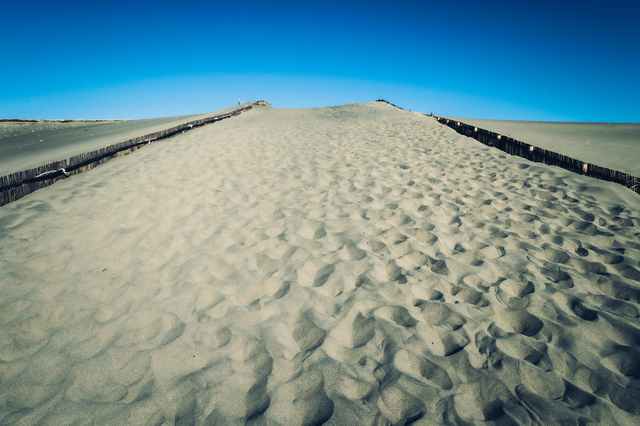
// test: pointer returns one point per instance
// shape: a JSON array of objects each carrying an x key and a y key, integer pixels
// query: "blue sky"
[{"x": 520, "y": 60}]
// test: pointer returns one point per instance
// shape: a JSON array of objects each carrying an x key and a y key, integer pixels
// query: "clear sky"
[{"x": 523, "y": 60}]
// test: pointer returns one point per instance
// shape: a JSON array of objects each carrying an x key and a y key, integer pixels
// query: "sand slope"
[{"x": 348, "y": 265}]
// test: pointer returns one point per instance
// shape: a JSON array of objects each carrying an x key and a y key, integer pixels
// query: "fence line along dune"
[
  {"x": 18, "y": 184},
  {"x": 357, "y": 264},
  {"x": 567, "y": 139}
]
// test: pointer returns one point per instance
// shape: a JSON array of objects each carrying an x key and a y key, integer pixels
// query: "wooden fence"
[
  {"x": 539, "y": 155},
  {"x": 387, "y": 102},
  {"x": 19, "y": 184}
]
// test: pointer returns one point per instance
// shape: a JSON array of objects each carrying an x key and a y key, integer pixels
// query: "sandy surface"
[
  {"x": 27, "y": 145},
  {"x": 612, "y": 145},
  {"x": 355, "y": 265}
]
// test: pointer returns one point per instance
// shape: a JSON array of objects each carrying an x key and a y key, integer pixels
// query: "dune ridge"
[{"x": 347, "y": 265}]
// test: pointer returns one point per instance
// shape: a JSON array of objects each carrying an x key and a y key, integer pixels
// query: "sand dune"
[{"x": 350, "y": 265}]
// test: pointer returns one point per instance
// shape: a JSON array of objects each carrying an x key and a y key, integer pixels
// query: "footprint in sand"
[
  {"x": 301, "y": 401},
  {"x": 519, "y": 321}
]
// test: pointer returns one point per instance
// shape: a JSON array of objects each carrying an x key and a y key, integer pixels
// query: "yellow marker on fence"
[
  {"x": 531, "y": 148},
  {"x": 499, "y": 137},
  {"x": 458, "y": 124},
  {"x": 475, "y": 129},
  {"x": 585, "y": 167}
]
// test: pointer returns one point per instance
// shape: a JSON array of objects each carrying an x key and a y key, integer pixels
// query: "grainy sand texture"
[{"x": 349, "y": 265}]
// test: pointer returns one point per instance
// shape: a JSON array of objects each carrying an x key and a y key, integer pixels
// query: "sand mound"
[{"x": 346, "y": 265}]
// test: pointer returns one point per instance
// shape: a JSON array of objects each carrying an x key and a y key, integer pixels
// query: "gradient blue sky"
[{"x": 522, "y": 60}]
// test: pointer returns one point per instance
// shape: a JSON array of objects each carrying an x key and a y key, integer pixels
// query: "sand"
[
  {"x": 349, "y": 265},
  {"x": 612, "y": 145}
]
